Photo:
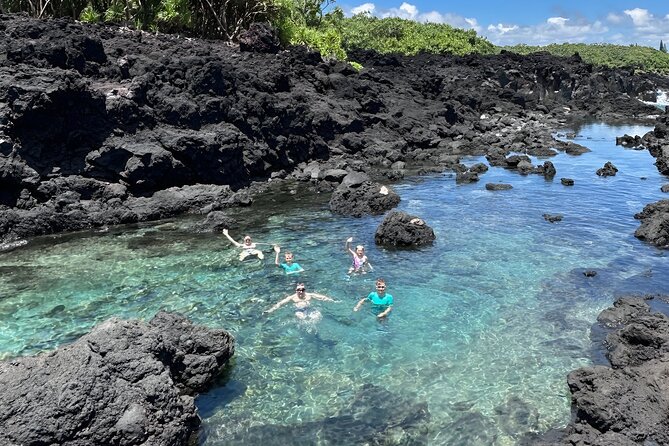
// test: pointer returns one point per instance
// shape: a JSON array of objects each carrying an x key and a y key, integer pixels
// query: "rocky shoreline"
[
  {"x": 125, "y": 383},
  {"x": 104, "y": 125}
]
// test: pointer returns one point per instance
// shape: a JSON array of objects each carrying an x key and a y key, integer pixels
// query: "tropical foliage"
[
  {"x": 639, "y": 57},
  {"x": 395, "y": 35}
]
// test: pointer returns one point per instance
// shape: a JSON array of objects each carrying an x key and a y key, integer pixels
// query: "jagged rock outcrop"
[
  {"x": 625, "y": 403},
  {"x": 127, "y": 382},
  {"x": 654, "y": 224},
  {"x": 118, "y": 117},
  {"x": 366, "y": 198},
  {"x": 608, "y": 170},
  {"x": 402, "y": 229}
]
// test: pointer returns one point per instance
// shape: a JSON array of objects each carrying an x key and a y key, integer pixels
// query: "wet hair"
[
  {"x": 247, "y": 237},
  {"x": 287, "y": 253},
  {"x": 300, "y": 285},
  {"x": 380, "y": 280},
  {"x": 359, "y": 247}
]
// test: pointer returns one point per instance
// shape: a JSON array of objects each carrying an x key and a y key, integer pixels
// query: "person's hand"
[
  {"x": 277, "y": 249},
  {"x": 381, "y": 316},
  {"x": 356, "y": 308},
  {"x": 225, "y": 231},
  {"x": 349, "y": 240}
]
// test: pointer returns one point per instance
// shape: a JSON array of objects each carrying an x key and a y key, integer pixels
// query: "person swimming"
[
  {"x": 360, "y": 261},
  {"x": 382, "y": 301},
  {"x": 302, "y": 301},
  {"x": 248, "y": 247},
  {"x": 289, "y": 266}
]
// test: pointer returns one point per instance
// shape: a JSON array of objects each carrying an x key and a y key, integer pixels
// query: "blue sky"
[{"x": 534, "y": 22}]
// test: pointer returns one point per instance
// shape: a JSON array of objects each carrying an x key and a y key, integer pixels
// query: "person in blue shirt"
[
  {"x": 289, "y": 266},
  {"x": 379, "y": 299}
]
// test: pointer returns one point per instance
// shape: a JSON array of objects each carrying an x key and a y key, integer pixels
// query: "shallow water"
[{"x": 487, "y": 322}]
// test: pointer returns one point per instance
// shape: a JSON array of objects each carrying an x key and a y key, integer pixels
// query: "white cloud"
[
  {"x": 365, "y": 8},
  {"x": 614, "y": 18},
  {"x": 614, "y": 27},
  {"x": 557, "y": 21},
  {"x": 553, "y": 30},
  {"x": 411, "y": 10},
  {"x": 502, "y": 29},
  {"x": 640, "y": 17}
]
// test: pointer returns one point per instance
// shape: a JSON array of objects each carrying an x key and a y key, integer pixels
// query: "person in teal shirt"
[
  {"x": 289, "y": 266},
  {"x": 379, "y": 298}
]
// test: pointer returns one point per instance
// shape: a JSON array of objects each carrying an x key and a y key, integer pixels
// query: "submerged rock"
[
  {"x": 552, "y": 218},
  {"x": 498, "y": 186},
  {"x": 374, "y": 416},
  {"x": 402, "y": 229},
  {"x": 127, "y": 382}
]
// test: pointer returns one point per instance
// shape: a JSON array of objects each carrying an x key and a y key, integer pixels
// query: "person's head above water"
[
  {"x": 300, "y": 290},
  {"x": 247, "y": 239},
  {"x": 288, "y": 256},
  {"x": 360, "y": 250},
  {"x": 380, "y": 285}
]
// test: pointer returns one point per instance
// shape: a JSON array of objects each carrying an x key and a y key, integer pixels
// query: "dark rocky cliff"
[{"x": 104, "y": 125}]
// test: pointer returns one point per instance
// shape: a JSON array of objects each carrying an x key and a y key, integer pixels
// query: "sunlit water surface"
[{"x": 487, "y": 323}]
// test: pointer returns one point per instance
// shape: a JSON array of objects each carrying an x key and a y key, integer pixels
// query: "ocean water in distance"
[{"x": 487, "y": 322}]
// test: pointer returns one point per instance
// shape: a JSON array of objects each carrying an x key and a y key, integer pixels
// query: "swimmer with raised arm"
[
  {"x": 360, "y": 261},
  {"x": 382, "y": 301},
  {"x": 248, "y": 247},
  {"x": 302, "y": 301},
  {"x": 288, "y": 266}
]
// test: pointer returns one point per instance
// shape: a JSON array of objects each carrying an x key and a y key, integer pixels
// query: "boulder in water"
[
  {"x": 609, "y": 170},
  {"x": 363, "y": 199},
  {"x": 127, "y": 382},
  {"x": 654, "y": 224},
  {"x": 401, "y": 229}
]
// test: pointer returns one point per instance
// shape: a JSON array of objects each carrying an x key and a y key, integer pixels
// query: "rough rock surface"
[
  {"x": 363, "y": 199},
  {"x": 126, "y": 382},
  {"x": 654, "y": 224},
  {"x": 402, "y": 229},
  {"x": 104, "y": 125},
  {"x": 625, "y": 404},
  {"x": 552, "y": 218},
  {"x": 498, "y": 186},
  {"x": 657, "y": 142},
  {"x": 567, "y": 181},
  {"x": 609, "y": 170}
]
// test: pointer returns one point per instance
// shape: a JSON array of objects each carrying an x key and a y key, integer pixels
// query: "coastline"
[{"x": 318, "y": 118}]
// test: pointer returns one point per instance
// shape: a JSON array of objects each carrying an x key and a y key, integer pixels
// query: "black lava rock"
[
  {"x": 608, "y": 170},
  {"x": 124, "y": 383},
  {"x": 401, "y": 229},
  {"x": 498, "y": 186}
]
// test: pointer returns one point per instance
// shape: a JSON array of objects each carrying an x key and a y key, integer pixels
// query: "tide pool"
[{"x": 487, "y": 322}]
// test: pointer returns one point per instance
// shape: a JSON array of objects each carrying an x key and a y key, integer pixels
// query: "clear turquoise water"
[{"x": 487, "y": 322}]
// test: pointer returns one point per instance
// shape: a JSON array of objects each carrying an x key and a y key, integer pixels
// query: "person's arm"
[
  {"x": 278, "y": 305},
  {"x": 359, "y": 304},
  {"x": 348, "y": 245},
  {"x": 385, "y": 312},
  {"x": 277, "y": 250},
  {"x": 225, "y": 233},
  {"x": 369, "y": 265},
  {"x": 322, "y": 297}
]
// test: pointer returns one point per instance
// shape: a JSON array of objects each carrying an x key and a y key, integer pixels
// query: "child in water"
[
  {"x": 360, "y": 261},
  {"x": 248, "y": 247},
  {"x": 289, "y": 266}
]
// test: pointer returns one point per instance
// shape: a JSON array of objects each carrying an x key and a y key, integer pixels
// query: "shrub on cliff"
[
  {"x": 395, "y": 35},
  {"x": 614, "y": 56}
]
